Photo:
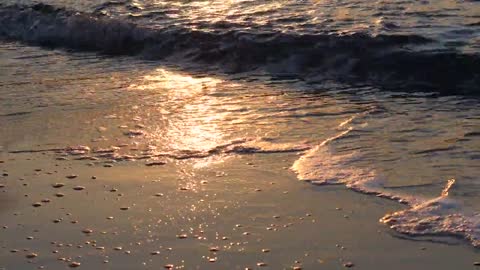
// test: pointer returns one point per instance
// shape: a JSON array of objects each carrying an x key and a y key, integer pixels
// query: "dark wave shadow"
[{"x": 392, "y": 62}]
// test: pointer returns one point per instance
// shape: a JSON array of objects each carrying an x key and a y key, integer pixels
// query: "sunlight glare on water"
[{"x": 192, "y": 122}]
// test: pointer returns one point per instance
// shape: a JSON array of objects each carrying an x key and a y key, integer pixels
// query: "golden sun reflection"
[
  {"x": 217, "y": 11},
  {"x": 189, "y": 112},
  {"x": 180, "y": 85},
  {"x": 187, "y": 116}
]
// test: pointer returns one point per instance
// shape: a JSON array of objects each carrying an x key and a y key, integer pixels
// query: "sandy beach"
[{"x": 237, "y": 214}]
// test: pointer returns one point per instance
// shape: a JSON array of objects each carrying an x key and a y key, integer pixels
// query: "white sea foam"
[{"x": 440, "y": 216}]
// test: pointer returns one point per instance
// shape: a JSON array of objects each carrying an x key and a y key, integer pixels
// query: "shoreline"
[{"x": 294, "y": 220}]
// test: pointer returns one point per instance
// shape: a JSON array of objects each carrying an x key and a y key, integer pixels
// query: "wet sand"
[{"x": 244, "y": 212}]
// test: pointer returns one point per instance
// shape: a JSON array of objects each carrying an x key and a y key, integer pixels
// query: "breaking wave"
[{"x": 385, "y": 60}]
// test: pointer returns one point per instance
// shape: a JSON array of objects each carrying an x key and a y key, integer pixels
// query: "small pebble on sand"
[
  {"x": 37, "y": 204},
  {"x": 74, "y": 264},
  {"x": 72, "y": 176},
  {"x": 87, "y": 231},
  {"x": 58, "y": 185},
  {"x": 156, "y": 163},
  {"x": 261, "y": 264},
  {"x": 78, "y": 188},
  {"x": 132, "y": 133},
  {"x": 348, "y": 265},
  {"x": 31, "y": 255}
]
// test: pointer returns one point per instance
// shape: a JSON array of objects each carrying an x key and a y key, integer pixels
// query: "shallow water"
[{"x": 213, "y": 141}]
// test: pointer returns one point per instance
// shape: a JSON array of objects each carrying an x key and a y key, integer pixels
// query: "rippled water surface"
[{"x": 455, "y": 23}]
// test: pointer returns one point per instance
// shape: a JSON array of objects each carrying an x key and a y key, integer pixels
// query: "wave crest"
[{"x": 386, "y": 60}]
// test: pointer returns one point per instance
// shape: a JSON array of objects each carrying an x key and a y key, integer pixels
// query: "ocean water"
[{"x": 381, "y": 97}]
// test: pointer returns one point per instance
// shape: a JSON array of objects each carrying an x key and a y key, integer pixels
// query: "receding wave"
[
  {"x": 440, "y": 216},
  {"x": 385, "y": 60},
  {"x": 241, "y": 146}
]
